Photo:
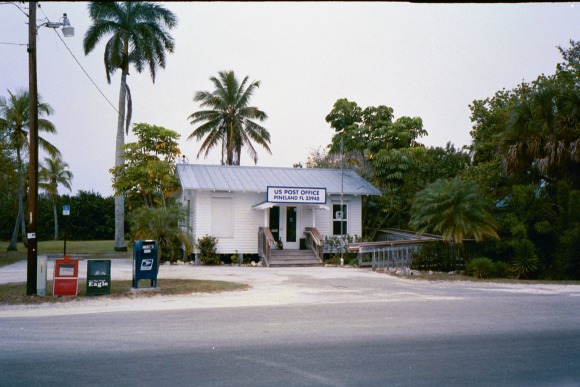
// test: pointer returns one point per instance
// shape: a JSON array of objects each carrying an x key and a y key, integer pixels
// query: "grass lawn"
[
  {"x": 72, "y": 247},
  {"x": 57, "y": 247},
  {"x": 15, "y": 294}
]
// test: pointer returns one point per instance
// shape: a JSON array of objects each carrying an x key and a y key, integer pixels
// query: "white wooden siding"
[
  {"x": 247, "y": 221},
  {"x": 222, "y": 217}
]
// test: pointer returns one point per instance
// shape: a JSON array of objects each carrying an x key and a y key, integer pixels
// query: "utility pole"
[
  {"x": 31, "y": 267},
  {"x": 33, "y": 151},
  {"x": 342, "y": 247}
]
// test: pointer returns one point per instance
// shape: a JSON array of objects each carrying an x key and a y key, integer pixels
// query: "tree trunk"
[
  {"x": 119, "y": 199},
  {"x": 55, "y": 221},
  {"x": 13, "y": 246},
  {"x": 23, "y": 222},
  {"x": 20, "y": 217}
]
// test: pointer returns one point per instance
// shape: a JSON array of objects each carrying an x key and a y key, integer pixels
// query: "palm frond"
[{"x": 230, "y": 120}]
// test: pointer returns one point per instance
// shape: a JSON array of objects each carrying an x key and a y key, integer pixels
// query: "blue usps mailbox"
[{"x": 145, "y": 262}]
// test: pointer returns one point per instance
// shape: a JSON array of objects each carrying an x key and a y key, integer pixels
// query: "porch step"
[{"x": 288, "y": 258}]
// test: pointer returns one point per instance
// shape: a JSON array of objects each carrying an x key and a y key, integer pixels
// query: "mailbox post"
[
  {"x": 65, "y": 214},
  {"x": 145, "y": 264}
]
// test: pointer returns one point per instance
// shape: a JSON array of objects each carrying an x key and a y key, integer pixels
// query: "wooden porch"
[{"x": 272, "y": 256}]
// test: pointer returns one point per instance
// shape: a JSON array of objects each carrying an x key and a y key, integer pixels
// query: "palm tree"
[
  {"x": 454, "y": 209},
  {"x": 14, "y": 123},
  {"x": 229, "y": 120},
  {"x": 542, "y": 133},
  {"x": 53, "y": 174},
  {"x": 163, "y": 225},
  {"x": 139, "y": 37}
]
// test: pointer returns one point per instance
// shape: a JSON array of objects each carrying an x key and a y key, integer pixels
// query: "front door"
[
  {"x": 291, "y": 224},
  {"x": 274, "y": 223},
  {"x": 284, "y": 225}
]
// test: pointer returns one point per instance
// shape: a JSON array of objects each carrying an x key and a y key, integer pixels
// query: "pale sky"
[{"x": 423, "y": 60}]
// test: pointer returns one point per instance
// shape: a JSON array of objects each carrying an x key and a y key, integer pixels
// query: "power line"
[
  {"x": 88, "y": 76},
  {"x": 14, "y": 4},
  {"x": 14, "y": 44},
  {"x": 80, "y": 65}
]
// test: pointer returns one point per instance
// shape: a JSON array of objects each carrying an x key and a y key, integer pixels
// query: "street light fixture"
[{"x": 67, "y": 30}]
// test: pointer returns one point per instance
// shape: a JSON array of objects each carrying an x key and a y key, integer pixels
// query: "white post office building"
[{"x": 250, "y": 209}]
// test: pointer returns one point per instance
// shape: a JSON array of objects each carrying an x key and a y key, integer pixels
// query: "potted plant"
[{"x": 280, "y": 244}]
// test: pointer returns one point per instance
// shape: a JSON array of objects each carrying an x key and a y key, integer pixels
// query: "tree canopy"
[
  {"x": 140, "y": 37},
  {"x": 229, "y": 120},
  {"x": 147, "y": 176},
  {"x": 453, "y": 209}
]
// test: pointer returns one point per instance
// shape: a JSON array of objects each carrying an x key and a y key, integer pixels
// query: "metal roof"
[{"x": 258, "y": 179}]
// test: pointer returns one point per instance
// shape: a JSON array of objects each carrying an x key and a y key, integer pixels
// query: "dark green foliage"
[
  {"x": 91, "y": 217},
  {"x": 163, "y": 224},
  {"x": 206, "y": 247},
  {"x": 147, "y": 175},
  {"x": 567, "y": 256},
  {"x": 172, "y": 251},
  {"x": 141, "y": 25},
  {"x": 526, "y": 152},
  {"x": 566, "y": 264},
  {"x": 483, "y": 267},
  {"x": 480, "y": 268},
  {"x": 140, "y": 38},
  {"x": 440, "y": 256},
  {"x": 501, "y": 270},
  {"x": 9, "y": 191},
  {"x": 8, "y": 212},
  {"x": 454, "y": 209},
  {"x": 45, "y": 228},
  {"x": 382, "y": 149},
  {"x": 525, "y": 260}
]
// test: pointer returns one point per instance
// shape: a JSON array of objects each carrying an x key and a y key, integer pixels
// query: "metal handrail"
[
  {"x": 369, "y": 246},
  {"x": 315, "y": 242},
  {"x": 265, "y": 242}
]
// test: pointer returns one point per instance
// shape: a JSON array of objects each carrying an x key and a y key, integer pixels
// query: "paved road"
[{"x": 323, "y": 326}]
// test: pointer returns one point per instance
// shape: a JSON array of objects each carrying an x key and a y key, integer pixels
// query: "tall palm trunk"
[
  {"x": 14, "y": 240},
  {"x": 55, "y": 220},
  {"x": 20, "y": 217},
  {"x": 23, "y": 222},
  {"x": 232, "y": 147},
  {"x": 119, "y": 199}
]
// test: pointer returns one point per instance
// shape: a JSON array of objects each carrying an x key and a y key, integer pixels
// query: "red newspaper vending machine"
[{"x": 66, "y": 277}]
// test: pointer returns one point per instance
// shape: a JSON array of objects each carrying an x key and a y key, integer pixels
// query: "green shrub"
[
  {"x": 438, "y": 256},
  {"x": 501, "y": 269},
  {"x": 206, "y": 246},
  {"x": 525, "y": 260},
  {"x": 171, "y": 251},
  {"x": 480, "y": 268}
]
